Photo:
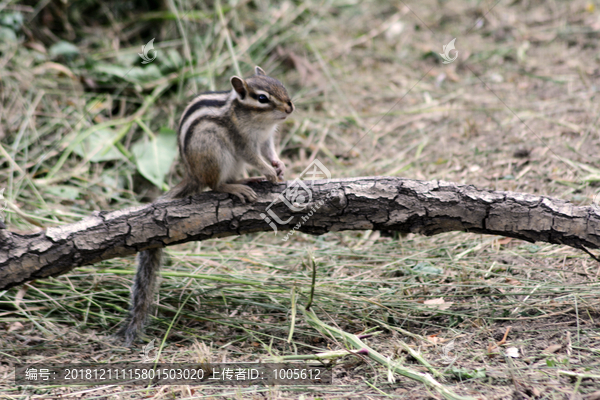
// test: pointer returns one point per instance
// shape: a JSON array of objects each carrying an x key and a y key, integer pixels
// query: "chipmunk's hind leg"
[
  {"x": 217, "y": 167},
  {"x": 231, "y": 184},
  {"x": 243, "y": 192}
]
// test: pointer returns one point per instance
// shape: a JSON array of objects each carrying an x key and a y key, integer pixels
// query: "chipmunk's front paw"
[
  {"x": 271, "y": 175},
  {"x": 271, "y": 178},
  {"x": 279, "y": 168}
]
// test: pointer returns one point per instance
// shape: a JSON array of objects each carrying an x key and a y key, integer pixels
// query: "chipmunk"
[{"x": 219, "y": 132}]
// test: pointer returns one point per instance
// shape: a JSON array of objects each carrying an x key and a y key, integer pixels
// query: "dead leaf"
[
  {"x": 434, "y": 339},
  {"x": 513, "y": 282},
  {"x": 504, "y": 241},
  {"x": 512, "y": 352},
  {"x": 56, "y": 66},
  {"x": 37, "y": 46},
  {"x": 438, "y": 303},
  {"x": 20, "y": 294},
  {"x": 552, "y": 349},
  {"x": 15, "y": 326}
]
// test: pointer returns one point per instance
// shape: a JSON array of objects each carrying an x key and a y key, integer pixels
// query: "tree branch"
[{"x": 379, "y": 203}]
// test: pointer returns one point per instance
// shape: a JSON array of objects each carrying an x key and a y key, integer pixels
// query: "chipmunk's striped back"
[{"x": 206, "y": 105}]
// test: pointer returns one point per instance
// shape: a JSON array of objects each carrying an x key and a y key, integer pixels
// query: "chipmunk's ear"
[
  {"x": 240, "y": 86},
  {"x": 259, "y": 71}
]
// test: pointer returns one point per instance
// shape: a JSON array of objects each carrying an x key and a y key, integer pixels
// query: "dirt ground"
[{"x": 518, "y": 110}]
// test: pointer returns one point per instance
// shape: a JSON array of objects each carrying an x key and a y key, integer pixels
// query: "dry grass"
[{"x": 518, "y": 110}]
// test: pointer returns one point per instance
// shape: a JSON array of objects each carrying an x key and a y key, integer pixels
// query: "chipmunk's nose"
[{"x": 290, "y": 107}]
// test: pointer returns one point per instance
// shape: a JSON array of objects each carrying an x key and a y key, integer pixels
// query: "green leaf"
[
  {"x": 63, "y": 48},
  {"x": 464, "y": 373},
  {"x": 13, "y": 20},
  {"x": 130, "y": 59},
  {"x": 63, "y": 191},
  {"x": 426, "y": 268},
  {"x": 142, "y": 75},
  {"x": 110, "y": 69},
  {"x": 7, "y": 35},
  {"x": 99, "y": 145},
  {"x": 155, "y": 156},
  {"x": 173, "y": 60},
  {"x": 134, "y": 75}
]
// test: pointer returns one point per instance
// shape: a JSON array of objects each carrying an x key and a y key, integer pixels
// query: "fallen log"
[{"x": 314, "y": 207}]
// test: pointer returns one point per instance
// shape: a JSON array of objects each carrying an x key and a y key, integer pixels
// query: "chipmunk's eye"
[{"x": 263, "y": 99}]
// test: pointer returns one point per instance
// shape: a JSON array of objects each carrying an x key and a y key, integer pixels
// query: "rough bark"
[{"x": 380, "y": 203}]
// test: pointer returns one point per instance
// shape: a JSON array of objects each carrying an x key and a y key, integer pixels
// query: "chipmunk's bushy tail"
[{"x": 149, "y": 262}]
